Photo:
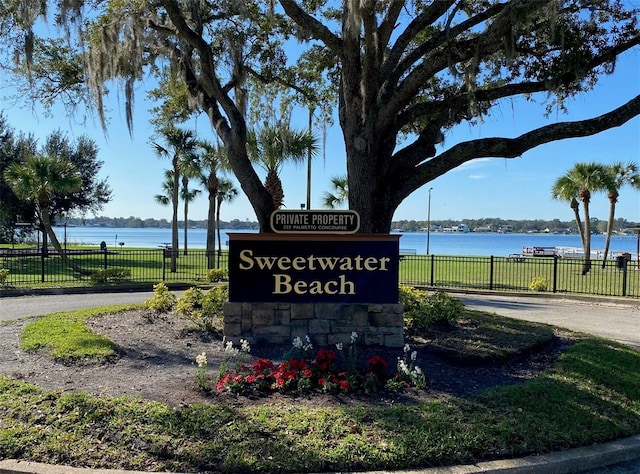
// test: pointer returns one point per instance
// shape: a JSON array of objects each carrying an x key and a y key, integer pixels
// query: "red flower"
[
  {"x": 377, "y": 361},
  {"x": 325, "y": 356},
  {"x": 344, "y": 385},
  {"x": 297, "y": 364},
  {"x": 260, "y": 365},
  {"x": 222, "y": 382}
]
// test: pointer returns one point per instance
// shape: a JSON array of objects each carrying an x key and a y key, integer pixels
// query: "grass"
[
  {"x": 591, "y": 394},
  {"x": 487, "y": 337},
  {"x": 148, "y": 267},
  {"x": 500, "y": 273},
  {"x": 66, "y": 337}
]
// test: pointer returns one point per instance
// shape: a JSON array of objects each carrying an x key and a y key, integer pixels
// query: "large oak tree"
[{"x": 405, "y": 73}]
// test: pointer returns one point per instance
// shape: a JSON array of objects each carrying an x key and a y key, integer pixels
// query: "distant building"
[{"x": 457, "y": 228}]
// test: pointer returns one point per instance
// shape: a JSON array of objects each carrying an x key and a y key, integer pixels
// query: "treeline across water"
[
  {"x": 493, "y": 224},
  {"x": 512, "y": 225},
  {"x": 150, "y": 223}
]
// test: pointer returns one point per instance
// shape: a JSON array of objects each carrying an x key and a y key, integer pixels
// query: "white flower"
[
  {"x": 414, "y": 355},
  {"x": 228, "y": 347},
  {"x": 354, "y": 337},
  {"x": 297, "y": 343},
  {"x": 244, "y": 345},
  {"x": 339, "y": 346},
  {"x": 308, "y": 346},
  {"x": 417, "y": 370},
  {"x": 406, "y": 348},
  {"x": 403, "y": 368},
  {"x": 201, "y": 360}
]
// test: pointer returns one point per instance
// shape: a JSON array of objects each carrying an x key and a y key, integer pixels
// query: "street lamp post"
[{"x": 428, "y": 219}]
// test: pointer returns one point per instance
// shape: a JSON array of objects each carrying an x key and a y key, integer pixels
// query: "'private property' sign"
[
  {"x": 312, "y": 268},
  {"x": 301, "y": 222}
]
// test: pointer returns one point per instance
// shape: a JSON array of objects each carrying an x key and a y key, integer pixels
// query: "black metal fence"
[
  {"x": 28, "y": 268},
  {"x": 618, "y": 277}
]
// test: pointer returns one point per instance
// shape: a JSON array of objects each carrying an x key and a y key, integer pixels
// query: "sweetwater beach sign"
[{"x": 315, "y": 275}]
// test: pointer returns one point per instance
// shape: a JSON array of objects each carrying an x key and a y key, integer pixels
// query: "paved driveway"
[{"x": 618, "y": 320}]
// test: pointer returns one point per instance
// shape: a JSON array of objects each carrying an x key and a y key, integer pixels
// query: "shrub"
[
  {"x": 539, "y": 284},
  {"x": 217, "y": 274},
  {"x": 422, "y": 310},
  {"x": 445, "y": 309},
  {"x": 106, "y": 275},
  {"x": 203, "y": 308},
  {"x": 162, "y": 300},
  {"x": 4, "y": 275}
]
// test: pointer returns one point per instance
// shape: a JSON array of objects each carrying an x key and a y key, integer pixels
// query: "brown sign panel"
[{"x": 314, "y": 222}]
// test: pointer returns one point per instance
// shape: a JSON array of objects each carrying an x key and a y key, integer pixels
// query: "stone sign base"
[{"x": 326, "y": 324}]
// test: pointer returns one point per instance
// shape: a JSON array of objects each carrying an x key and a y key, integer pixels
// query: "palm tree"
[
  {"x": 565, "y": 189},
  {"x": 580, "y": 181},
  {"x": 226, "y": 193},
  {"x": 213, "y": 160},
  {"x": 180, "y": 150},
  {"x": 164, "y": 199},
  {"x": 273, "y": 146},
  {"x": 339, "y": 194},
  {"x": 615, "y": 177},
  {"x": 38, "y": 179}
]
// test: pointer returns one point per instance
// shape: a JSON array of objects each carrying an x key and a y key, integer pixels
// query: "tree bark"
[{"x": 46, "y": 223}]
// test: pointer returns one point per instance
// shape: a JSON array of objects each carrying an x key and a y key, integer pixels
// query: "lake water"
[{"x": 439, "y": 243}]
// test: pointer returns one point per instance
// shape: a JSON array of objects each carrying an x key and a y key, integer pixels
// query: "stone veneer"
[{"x": 325, "y": 323}]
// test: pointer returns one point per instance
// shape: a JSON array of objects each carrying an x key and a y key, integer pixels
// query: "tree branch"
[
  {"x": 313, "y": 26},
  {"x": 513, "y": 147}
]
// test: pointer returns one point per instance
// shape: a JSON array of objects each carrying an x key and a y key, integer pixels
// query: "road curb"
[{"x": 561, "y": 462}]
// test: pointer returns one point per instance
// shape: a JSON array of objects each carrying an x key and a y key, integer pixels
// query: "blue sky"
[{"x": 517, "y": 188}]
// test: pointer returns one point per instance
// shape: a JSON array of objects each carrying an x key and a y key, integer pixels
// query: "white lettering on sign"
[
  {"x": 286, "y": 284},
  {"x": 358, "y": 263}
]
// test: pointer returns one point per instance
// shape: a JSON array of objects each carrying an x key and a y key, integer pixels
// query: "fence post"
[
  {"x": 432, "y": 272},
  {"x": 42, "y": 264},
  {"x": 555, "y": 273},
  {"x": 105, "y": 258},
  {"x": 624, "y": 277},
  {"x": 491, "y": 273},
  {"x": 164, "y": 263}
]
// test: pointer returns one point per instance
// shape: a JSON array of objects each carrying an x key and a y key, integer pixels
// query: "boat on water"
[{"x": 568, "y": 252}]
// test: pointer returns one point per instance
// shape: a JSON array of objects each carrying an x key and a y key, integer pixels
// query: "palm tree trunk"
[
  {"x": 576, "y": 213},
  {"x": 607, "y": 240},
  {"x": 46, "y": 222},
  {"x": 211, "y": 231},
  {"x": 174, "y": 226},
  {"x": 218, "y": 230},
  {"x": 186, "y": 225},
  {"x": 586, "y": 267}
]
